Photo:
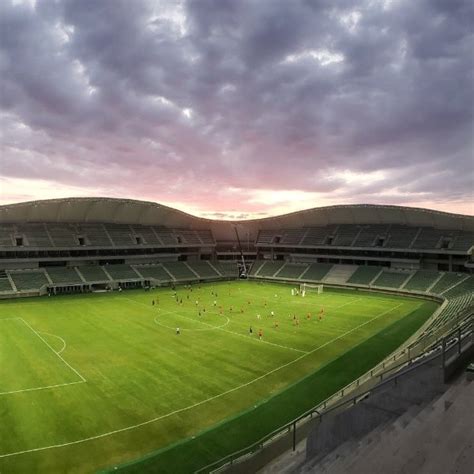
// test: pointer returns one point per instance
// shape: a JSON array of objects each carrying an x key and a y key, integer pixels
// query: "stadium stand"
[
  {"x": 35, "y": 234},
  {"x": 431, "y": 238},
  {"x": 318, "y": 235},
  {"x": 316, "y": 271},
  {"x": 368, "y": 235},
  {"x": 29, "y": 280},
  {"x": 62, "y": 235},
  {"x": 466, "y": 285},
  {"x": 189, "y": 237},
  {"x": 180, "y": 271},
  {"x": 339, "y": 274},
  {"x": 292, "y": 270},
  {"x": 269, "y": 269},
  {"x": 6, "y": 235},
  {"x": 390, "y": 279},
  {"x": 346, "y": 234},
  {"x": 121, "y": 272},
  {"x": 292, "y": 236},
  {"x": 364, "y": 275},
  {"x": 120, "y": 234},
  {"x": 401, "y": 236},
  {"x": 205, "y": 236},
  {"x": 464, "y": 241},
  {"x": 203, "y": 269},
  {"x": 421, "y": 280},
  {"x": 63, "y": 275},
  {"x": 146, "y": 234},
  {"x": 227, "y": 269},
  {"x": 166, "y": 236},
  {"x": 93, "y": 273},
  {"x": 447, "y": 281},
  {"x": 94, "y": 234},
  {"x": 5, "y": 285},
  {"x": 157, "y": 272},
  {"x": 265, "y": 237}
]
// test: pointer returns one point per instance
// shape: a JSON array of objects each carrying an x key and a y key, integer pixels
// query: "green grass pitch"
[{"x": 89, "y": 382}]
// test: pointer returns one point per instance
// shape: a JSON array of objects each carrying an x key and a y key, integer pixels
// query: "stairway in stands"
[{"x": 339, "y": 274}]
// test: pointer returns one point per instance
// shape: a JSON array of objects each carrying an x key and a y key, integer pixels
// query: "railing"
[{"x": 408, "y": 358}]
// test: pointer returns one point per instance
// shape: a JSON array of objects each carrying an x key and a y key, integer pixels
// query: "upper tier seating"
[
  {"x": 93, "y": 273},
  {"x": 121, "y": 272},
  {"x": 203, "y": 269},
  {"x": 205, "y": 236},
  {"x": 401, "y": 236},
  {"x": 292, "y": 270},
  {"x": 265, "y": 236},
  {"x": 318, "y": 235},
  {"x": 29, "y": 280},
  {"x": 7, "y": 231},
  {"x": 447, "y": 281},
  {"x": 180, "y": 271},
  {"x": 292, "y": 236},
  {"x": 120, "y": 234},
  {"x": 63, "y": 275},
  {"x": 156, "y": 272},
  {"x": 364, "y": 275},
  {"x": 165, "y": 235},
  {"x": 346, "y": 235},
  {"x": 36, "y": 235},
  {"x": 189, "y": 237},
  {"x": 62, "y": 235},
  {"x": 431, "y": 238},
  {"x": 94, "y": 235},
  {"x": 146, "y": 234},
  {"x": 421, "y": 280},
  {"x": 369, "y": 234},
  {"x": 316, "y": 271},
  {"x": 270, "y": 268},
  {"x": 390, "y": 279},
  {"x": 464, "y": 241}
]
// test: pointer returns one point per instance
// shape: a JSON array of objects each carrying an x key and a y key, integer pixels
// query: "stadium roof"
[{"x": 127, "y": 211}]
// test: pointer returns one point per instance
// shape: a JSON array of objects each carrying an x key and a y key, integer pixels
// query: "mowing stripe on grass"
[{"x": 202, "y": 402}]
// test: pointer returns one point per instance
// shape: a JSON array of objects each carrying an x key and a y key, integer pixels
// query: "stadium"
[{"x": 138, "y": 338}]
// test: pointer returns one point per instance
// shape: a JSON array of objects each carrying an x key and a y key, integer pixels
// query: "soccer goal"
[{"x": 307, "y": 287}]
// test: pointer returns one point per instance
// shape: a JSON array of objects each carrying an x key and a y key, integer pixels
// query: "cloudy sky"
[{"x": 238, "y": 107}]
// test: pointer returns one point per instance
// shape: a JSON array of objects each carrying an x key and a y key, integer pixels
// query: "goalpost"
[{"x": 308, "y": 287}]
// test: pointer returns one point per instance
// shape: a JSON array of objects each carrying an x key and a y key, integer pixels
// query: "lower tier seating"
[
  {"x": 29, "y": 280},
  {"x": 93, "y": 273},
  {"x": 447, "y": 281},
  {"x": 390, "y": 279},
  {"x": 422, "y": 280},
  {"x": 5, "y": 284},
  {"x": 292, "y": 270},
  {"x": 63, "y": 275},
  {"x": 316, "y": 271},
  {"x": 270, "y": 268},
  {"x": 203, "y": 269},
  {"x": 364, "y": 275},
  {"x": 180, "y": 271},
  {"x": 122, "y": 272},
  {"x": 156, "y": 272}
]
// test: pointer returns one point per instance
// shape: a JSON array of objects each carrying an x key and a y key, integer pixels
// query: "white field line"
[
  {"x": 221, "y": 328},
  {"x": 202, "y": 402},
  {"x": 305, "y": 301},
  {"x": 210, "y": 328},
  {"x": 60, "y": 357},
  {"x": 9, "y": 319},
  {"x": 57, "y": 337},
  {"x": 248, "y": 338},
  {"x": 41, "y": 388}
]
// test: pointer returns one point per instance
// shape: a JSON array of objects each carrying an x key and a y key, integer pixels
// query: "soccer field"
[{"x": 92, "y": 381}]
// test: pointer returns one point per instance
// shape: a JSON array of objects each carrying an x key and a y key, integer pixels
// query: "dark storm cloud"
[{"x": 181, "y": 101}]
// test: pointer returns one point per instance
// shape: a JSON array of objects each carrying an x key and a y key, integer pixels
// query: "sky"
[{"x": 239, "y": 108}]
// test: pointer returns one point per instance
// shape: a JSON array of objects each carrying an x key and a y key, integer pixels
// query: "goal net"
[{"x": 308, "y": 288}]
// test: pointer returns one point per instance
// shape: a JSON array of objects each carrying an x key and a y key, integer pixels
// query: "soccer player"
[
  {"x": 260, "y": 334},
  {"x": 276, "y": 324},
  {"x": 178, "y": 332},
  {"x": 272, "y": 314},
  {"x": 250, "y": 330}
]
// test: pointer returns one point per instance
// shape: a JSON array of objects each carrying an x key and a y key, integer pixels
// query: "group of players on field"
[{"x": 202, "y": 310}]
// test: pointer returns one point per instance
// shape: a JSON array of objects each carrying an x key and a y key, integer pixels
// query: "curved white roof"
[{"x": 128, "y": 211}]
